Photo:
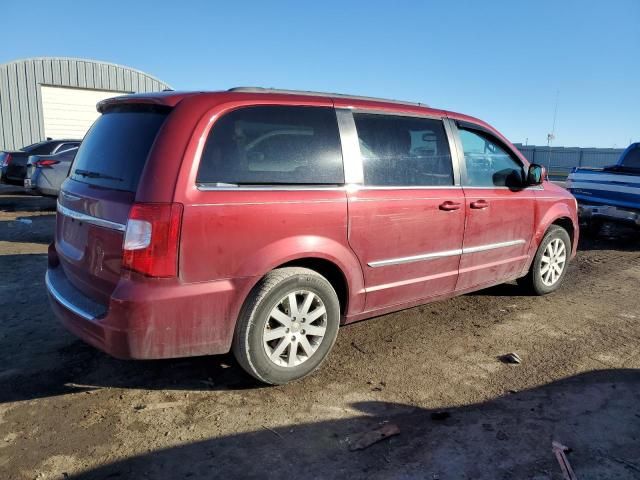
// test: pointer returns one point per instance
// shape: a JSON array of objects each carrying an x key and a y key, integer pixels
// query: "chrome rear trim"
[
  {"x": 64, "y": 302},
  {"x": 83, "y": 217},
  {"x": 266, "y": 188}
]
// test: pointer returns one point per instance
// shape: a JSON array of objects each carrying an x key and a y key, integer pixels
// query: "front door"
[
  {"x": 499, "y": 210},
  {"x": 406, "y": 221}
]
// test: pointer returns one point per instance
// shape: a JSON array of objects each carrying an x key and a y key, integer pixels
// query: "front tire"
[
  {"x": 550, "y": 263},
  {"x": 287, "y": 326}
]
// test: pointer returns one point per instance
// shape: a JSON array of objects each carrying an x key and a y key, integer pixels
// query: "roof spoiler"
[{"x": 127, "y": 99}]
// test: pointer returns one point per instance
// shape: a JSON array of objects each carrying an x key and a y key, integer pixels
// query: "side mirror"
[{"x": 536, "y": 174}]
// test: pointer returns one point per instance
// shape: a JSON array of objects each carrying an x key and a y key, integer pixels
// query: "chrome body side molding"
[{"x": 447, "y": 253}]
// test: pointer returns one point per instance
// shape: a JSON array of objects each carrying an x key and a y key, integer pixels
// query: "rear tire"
[
  {"x": 287, "y": 325},
  {"x": 549, "y": 266}
]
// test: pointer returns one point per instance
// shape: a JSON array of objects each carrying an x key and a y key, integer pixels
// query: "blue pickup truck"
[{"x": 610, "y": 193}]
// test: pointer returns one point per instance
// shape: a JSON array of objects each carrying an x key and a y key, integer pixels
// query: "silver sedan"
[{"x": 45, "y": 173}]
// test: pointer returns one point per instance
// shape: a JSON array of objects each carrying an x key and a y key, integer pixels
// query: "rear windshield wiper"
[{"x": 90, "y": 174}]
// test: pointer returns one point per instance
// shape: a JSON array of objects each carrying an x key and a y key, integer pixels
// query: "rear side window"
[
  {"x": 403, "y": 151},
  {"x": 273, "y": 145},
  {"x": 115, "y": 150}
]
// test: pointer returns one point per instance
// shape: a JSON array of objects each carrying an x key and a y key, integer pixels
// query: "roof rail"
[{"x": 322, "y": 94}]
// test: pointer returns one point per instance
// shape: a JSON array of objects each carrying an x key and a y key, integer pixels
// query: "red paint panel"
[
  {"x": 391, "y": 224},
  {"x": 500, "y": 215},
  {"x": 90, "y": 255}
]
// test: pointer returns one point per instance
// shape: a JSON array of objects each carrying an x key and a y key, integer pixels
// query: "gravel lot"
[{"x": 67, "y": 410}]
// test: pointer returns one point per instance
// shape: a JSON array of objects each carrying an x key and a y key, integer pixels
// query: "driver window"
[{"x": 488, "y": 164}]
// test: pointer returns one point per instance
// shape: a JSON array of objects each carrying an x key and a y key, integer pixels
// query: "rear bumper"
[
  {"x": 150, "y": 319},
  {"x": 34, "y": 183},
  {"x": 14, "y": 174},
  {"x": 608, "y": 212},
  {"x": 10, "y": 180}
]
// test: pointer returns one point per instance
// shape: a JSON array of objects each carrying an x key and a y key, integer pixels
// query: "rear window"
[
  {"x": 115, "y": 150},
  {"x": 40, "y": 148},
  {"x": 273, "y": 145}
]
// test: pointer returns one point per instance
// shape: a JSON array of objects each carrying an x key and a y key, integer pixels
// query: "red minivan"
[{"x": 260, "y": 220}]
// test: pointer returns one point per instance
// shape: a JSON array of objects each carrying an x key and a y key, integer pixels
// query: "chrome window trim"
[
  {"x": 409, "y": 187},
  {"x": 83, "y": 217},
  {"x": 351, "y": 155},
  {"x": 268, "y": 188},
  {"x": 351, "y": 187},
  {"x": 462, "y": 165},
  {"x": 454, "y": 153},
  {"x": 395, "y": 113},
  {"x": 488, "y": 187},
  {"x": 64, "y": 302},
  {"x": 58, "y": 149},
  {"x": 443, "y": 254}
]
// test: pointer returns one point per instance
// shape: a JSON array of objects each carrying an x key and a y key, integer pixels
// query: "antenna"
[{"x": 551, "y": 136}]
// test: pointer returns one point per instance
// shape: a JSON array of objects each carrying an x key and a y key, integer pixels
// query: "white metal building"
[{"x": 56, "y": 97}]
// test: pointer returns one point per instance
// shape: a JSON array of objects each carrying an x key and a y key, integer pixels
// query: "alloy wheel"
[
  {"x": 553, "y": 262},
  {"x": 295, "y": 328}
]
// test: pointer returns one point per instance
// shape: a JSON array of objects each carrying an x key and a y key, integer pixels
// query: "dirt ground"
[{"x": 69, "y": 411}]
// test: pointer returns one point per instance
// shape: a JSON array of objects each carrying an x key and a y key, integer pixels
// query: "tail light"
[
  {"x": 7, "y": 160},
  {"x": 48, "y": 163},
  {"x": 152, "y": 239}
]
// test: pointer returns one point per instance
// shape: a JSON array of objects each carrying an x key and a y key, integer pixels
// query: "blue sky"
[{"x": 502, "y": 61}]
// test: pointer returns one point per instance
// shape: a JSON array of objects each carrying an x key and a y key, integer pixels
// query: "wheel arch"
[
  {"x": 561, "y": 216},
  {"x": 329, "y": 270},
  {"x": 329, "y": 258},
  {"x": 567, "y": 224}
]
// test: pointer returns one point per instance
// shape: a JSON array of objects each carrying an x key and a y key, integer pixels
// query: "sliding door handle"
[
  {"x": 479, "y": 204},
  {"x": 449, "y": 206}
]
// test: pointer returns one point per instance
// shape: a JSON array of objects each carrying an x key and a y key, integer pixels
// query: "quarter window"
[
  {"x": 273, "y": 145},
  {"x": 487, "y": 163},
  {"x": 403, "y": 151}
]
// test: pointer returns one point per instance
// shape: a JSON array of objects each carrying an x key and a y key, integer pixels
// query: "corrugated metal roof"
[{"x": 21, "y": 120}]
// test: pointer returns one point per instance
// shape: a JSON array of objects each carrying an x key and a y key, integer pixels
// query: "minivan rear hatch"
[{"x": 94, "y": 202}]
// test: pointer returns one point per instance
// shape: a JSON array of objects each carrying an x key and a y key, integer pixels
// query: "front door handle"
[
  {"x": 449, "y": 206},
  {"x": 479, "y": 204}
]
